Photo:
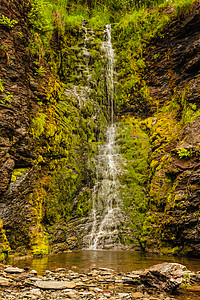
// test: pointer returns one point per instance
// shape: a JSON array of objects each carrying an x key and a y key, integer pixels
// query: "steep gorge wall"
[
  {"x": 174, "y": 82},
  {"x": 16, "y": 97},
  {"x": 47, "y": 126},
  {"x": 166, "y": 118}
]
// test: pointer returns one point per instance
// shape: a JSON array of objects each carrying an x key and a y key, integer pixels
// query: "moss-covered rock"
[{"x": 4, "y": 244}]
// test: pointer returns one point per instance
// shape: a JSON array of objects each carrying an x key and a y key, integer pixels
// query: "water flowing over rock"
[
  {"x": 107, "y": 211},
  {"x": 110, "y": 65},
  {"x": 61, "y": 182}
]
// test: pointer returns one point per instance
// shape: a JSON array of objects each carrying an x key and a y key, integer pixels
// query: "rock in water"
[{"x": 165, "y": 276}]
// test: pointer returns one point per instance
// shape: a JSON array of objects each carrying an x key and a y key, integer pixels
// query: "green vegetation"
[
  {"x": 135, "y": 148},
  {"x": 184, "y": 153},
  {"x": 190, "y": 111},
  {"x": 1, "y": 85},
  {"x": 6, "y": 97},
  {"x": 4, "y": 244},
  {"x": 64, "y": 129},
  {"x": 17, "y": 173},
  {"x": 131, "y": 36},
  {"x": 7, "y": 22}
]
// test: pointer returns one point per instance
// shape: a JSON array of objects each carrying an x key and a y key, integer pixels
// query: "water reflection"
[{"x": 84, "y": 260}]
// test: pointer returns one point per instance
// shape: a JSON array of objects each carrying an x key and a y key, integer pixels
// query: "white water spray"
[
  {"x": 107, "y": 214},
  {"x": 107, "y": 49}
]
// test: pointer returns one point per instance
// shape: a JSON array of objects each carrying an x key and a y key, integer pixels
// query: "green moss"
[
  {"x": 170, "y": 251},
  {"x": 7, "y": 22},
  {"x": 4, "y": 244},
  {"x": 83, "y": 207},
  {"x": 182, "y": 152},
  {"x": 1, "y": 85},
  {"x": 38, "y": 241},
  {"x": 134, "y": 144},
  {"x": 17, "y": 173},
  {"x": 66, "y": 133}
]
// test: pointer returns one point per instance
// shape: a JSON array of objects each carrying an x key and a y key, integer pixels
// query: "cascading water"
[
  {"x": 108, "y": 51},
  {"x": 107, "y": 214},
  {"x": 107, "y": 210}
]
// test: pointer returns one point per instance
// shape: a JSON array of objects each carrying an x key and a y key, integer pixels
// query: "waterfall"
[
  {"x": 107, "y": 214},
  {"x": 107, "y": 49}
]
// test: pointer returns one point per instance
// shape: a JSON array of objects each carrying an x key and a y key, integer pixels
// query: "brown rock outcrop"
[
  {"x": 173, "y": 65},
  {"x": 173, "y": 70},
  {"x": 18, "y": 106},
  {"x": 15, "y": 96},
  {"x": 182, "y": 218}
]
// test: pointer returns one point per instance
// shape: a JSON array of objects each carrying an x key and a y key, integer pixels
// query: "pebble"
[
  {"x": 33, "y": 272},
  {"x": 55, "y": 285}
]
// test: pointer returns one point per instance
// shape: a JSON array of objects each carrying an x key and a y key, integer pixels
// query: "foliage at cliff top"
[{"x": 46, "y": 14}]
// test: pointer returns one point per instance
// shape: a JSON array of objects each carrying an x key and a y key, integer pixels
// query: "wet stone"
[
  {"x": 4, "y": 282},
  {"x": 131, "y": 280},
  {"x": 33, "y": 272},
  {"x": 12, "y": 270},
  {"x": 55, "y": 285}
]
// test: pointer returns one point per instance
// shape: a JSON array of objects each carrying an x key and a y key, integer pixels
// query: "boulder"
[{"x": 165, "y": 277}]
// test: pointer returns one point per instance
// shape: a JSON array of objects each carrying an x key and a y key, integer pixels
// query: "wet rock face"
[
  {"x": 173, "y": 66},
  {"x": 15, "y": 96},
  {"x": 175, "y": 61},
  {"x": 17, "y": 105},
  {"x": 182, "y": 219}
]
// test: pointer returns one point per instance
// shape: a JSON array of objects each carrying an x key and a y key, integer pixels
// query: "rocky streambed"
[{"x": 166, "y": 281}]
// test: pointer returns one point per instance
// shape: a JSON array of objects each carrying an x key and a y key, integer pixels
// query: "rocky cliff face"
[
  {"x": 16, "y": 101},
  {"x": 173, "y": 78},
  {"x": 15, "y": 91}
]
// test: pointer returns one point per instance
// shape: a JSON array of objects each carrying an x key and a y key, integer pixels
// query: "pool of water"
[{"x": 84, "y": 260}]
